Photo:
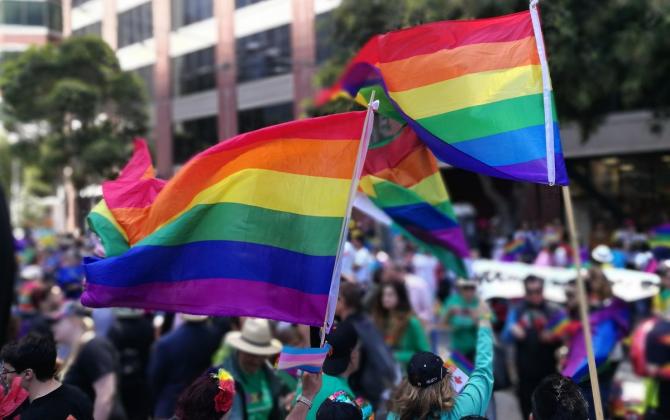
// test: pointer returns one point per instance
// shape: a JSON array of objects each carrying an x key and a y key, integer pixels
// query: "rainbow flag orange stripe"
[
  {"x": 249, "y": 227},
  {"x": 472, "y": 90}
]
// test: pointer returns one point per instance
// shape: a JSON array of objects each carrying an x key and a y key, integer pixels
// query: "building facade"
[
  {"x": 213, "y": 68},
  {"x": 28, "y": 22}
]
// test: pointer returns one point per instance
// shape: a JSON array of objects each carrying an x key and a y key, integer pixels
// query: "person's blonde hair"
[{"x": 410, "y": 402}]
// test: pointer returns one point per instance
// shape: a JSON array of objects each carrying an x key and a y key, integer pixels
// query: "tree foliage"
[
  {"x": 605, "y": 55},
  {"x": 71, "y": 105}
]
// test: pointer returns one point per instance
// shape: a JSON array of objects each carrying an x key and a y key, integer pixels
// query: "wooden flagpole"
[{"x": 583, "y": 305}]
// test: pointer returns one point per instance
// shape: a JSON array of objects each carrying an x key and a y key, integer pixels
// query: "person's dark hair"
[
  {"x": 197, "y": 401},
  {"x": 392, "y": 325},
  {"x": 352, "y": 295},
  {"x": 533, "y": 279},
  {"x": 34, "y": 351},
  {"x": 558, "y": 398}
]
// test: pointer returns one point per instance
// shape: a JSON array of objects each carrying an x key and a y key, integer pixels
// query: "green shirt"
[
  {"x": 330, "y": 385},
  {"x": 412, "y": 341},
  {"x": 258, "y": 395},
  {"x": 462, "y": 326}
]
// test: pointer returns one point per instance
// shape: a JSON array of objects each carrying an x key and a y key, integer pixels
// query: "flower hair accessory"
[{"x": 223, "y": 401}]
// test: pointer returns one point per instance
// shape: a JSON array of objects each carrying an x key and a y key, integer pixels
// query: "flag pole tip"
[{"x": 375, "y": 105}]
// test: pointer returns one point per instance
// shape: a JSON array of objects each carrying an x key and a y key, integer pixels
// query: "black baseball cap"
[
  {"x": 342, "y": 339},
  {"x": 425, "y": 369},
  {"x": 339, "y": 406}
]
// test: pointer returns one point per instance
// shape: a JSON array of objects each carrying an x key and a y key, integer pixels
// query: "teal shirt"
[
  {"x": 330, "y": 385},
  {"x": 475, "y": 396}
]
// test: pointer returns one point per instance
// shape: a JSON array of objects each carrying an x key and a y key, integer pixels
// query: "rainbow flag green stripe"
[
  {"x": 103, "y": 224},
  {"x": 229, "y": 221},
  {"x": 487, "y": 120}
]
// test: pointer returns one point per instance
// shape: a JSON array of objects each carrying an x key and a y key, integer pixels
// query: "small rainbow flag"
[
  {"x": 472, "y": 90},
  {"x": 660, "y": 236},
  {"x": 248, "y": 227},
  {"x": 306, "y": 359},
  {"x": 400, "y": 176},
  {"x": 558, "y": 324},
  {"x": 460, "y": 369}
]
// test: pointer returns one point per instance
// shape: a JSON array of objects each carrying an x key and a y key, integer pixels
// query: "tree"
[
  {"x": 605, "y": 56},
  {"x": 72, "y": 107}
]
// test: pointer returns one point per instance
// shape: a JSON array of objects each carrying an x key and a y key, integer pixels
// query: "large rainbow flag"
[
  {"x": 249, "y": 227},
  {"x": 475, "y": 91},
  {"x": 401, "y": 177}
]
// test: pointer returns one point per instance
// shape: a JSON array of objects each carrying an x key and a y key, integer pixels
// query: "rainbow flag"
[
  {"x": 306, "y": 359},
  {"x": 400, "y": 176},
  {"x": 472, "y": 90},
  {"x": 249, "y": 227},
  {"x": 558, "y": 324},
  {"x": 608, "y": 326},
  {"x": 660, "y": 236},
  {"x": 460, "y": 368}
]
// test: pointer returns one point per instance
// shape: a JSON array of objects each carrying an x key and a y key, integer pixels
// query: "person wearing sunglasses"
[
  {"x": 33, "y": 360},
  {"x": 526, "y": 328}
]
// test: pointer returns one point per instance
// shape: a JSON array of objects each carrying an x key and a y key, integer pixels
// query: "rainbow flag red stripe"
[
  {"x": 471, "y": 89},
  {"x": 249, "y": 227},
  {"x": 402, "y": 178}
]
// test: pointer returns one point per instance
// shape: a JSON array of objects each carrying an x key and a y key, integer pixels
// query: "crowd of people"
[{"x": 401, "y": 317}]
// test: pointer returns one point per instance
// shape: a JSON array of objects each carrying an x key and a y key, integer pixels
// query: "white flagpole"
[
  {"x": 358, "y": 168},
  {"x": 546, "y": 93}
]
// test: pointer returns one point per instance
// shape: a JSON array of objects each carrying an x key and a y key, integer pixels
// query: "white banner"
[{"x": 505, "y": 280}]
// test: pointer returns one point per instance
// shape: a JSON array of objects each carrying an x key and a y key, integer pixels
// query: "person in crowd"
[
  {"x": 536, "y": 346},
  {"x": 33, "y": 360},
  {"x": 401, "y": 329},
  {"x": 558, "y": 398},
  {"x": 259, "y": 391},
  {"x": 377, "y": 371},
  {"x": 657, "y": 352},
  {"x": 661, "y": 302},
  {"x": 424, "y": 266},
  {"x": 421, "y": 296},
  {"x": 601, "y": 256},
  {"x": 311, "y": 384},
  {"x": 362, "y": 261},
  {"x": 132, "y": 335},
  {"x": 92, "y": 364},
  {"x": 338, "y": 406},
  {"x": 209, "y": 397},
  {"x": 427, "y": 392},
  {"x": 460, "y": 315},
  {"x": 177, "y": 359},
  {"x": 342, "y": 361}
]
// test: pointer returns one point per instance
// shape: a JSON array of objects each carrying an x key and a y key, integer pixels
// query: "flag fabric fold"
[
  {"x": 472, "y": 90},
  {"x": 249, "y": 227},
  {"x": 401, "y": 177},
  {"x": 608, "y": 326}
]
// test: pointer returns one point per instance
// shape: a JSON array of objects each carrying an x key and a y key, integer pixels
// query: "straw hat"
[
  {"x": 193, "y": 318},
  {"x": 463, "y": 282},
  {"x": 602, "y": 254},
  {"x": 255, "y": 338}
]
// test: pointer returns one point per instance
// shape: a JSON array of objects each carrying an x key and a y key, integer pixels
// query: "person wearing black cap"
[
  {"x": 427, "y": 391},
  {"x": 342, "y": 361}
]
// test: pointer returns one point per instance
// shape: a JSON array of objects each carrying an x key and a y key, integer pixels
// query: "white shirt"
[
  {"x": 425, "y": 266},
  {"x": 420, "y": 297}
]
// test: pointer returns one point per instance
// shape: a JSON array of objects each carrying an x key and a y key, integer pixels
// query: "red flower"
[{"x": 223, "y": 401}]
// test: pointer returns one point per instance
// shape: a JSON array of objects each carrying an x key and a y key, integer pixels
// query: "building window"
[
  {"x": 135, "y": 25},
  {"x": 325, "y": 29},
  {"x": 186, "y": 12},
  {"x": 32, "y": 13},
  {"x": 193, "y": 136},
  {"x": 92, "y": 29},
  {"x": 146, "y": 73},
  {"x": 194, "y": 72},
  {"x": 253, "y": 119},
  {"x": 264, "y": 54},
  {"x": 243, "y": 3}
]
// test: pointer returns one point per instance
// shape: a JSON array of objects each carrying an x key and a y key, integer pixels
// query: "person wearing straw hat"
[
  {"x": 460, "y": 314},
  {"x": 258, "y": 388}
]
